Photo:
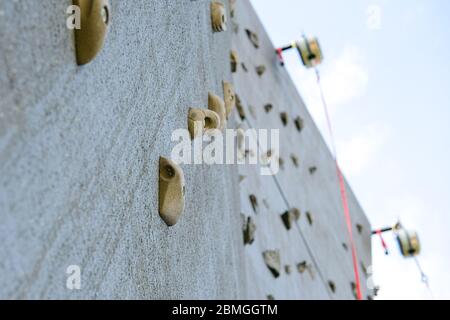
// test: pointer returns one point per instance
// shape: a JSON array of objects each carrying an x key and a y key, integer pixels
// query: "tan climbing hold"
[
  {"x": 299, "y": 124},
  {"x": 216, "y": 104},
  {"x": 171, "y": 191},
  {"x": 240, "y": 108},
  {"x": 409, "y": 242},
  {"x": 273, "y": 261},
  {"x": 253, "y": 37},
  {"x": 229, "y": 97},
  {"x": 218, "y": 16},
  {"x": 249, "y": 231},
  {"x": 290, "y": 217},
  {"x": 260, "y": 70},
  {"x": 202, "y": 120},
  {"x": 95, "y": 19},
  {"x": 234, "y": 59},
  {"x": 254, "y": 202},
  {"x": 310, "y": 52},
  {"x": 302, "y": 267}
]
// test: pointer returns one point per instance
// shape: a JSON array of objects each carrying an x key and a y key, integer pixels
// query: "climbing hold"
[
  {"x": 253, "y": 37},
  {"x": 310, "y": 52},
  {"x": 273, "y": 261},
  {"x": 290, "y": 217},
  {"x": 218, "y": 17},
  {"x": 234, "y": 59},
  {"x": 268, "y": 107},
  {"x": 332, "y": 286},
  {"x": 294, "y": 160},
  {"x": 359, "y": 227},
  {"x": 216, "y": 104},
  {"x": 229, "y": 97},
  {"x": 354, "y": 291},
  {"x": 89, "y": 39},
  {"x": 409, "y": 242},
  {"x": 254, "y": 202},
  {"x": 232, "y": 8},
  {"x": 240, "y": 108},
  {"x": 288, "y": 269},
  {"x": 302, "y": 266},
  {"x": 312, "y": 170},
  {"x": 299, "y": 124},
  {"x": 260, "y": 70},
  {"x": 171, "y": 191},
  {"x": 201, "y": 120},
  {"x": 270, "y": 297},
  {"x": 309, "y": 218},
  {"x": 249, "y": 231},
  {"x": 244, "y": 67},
  {"x": 281, "y": 163},
  {"x": 284, "y": 118}
]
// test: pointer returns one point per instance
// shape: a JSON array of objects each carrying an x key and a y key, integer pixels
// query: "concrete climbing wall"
[
  {"x": 79, "y": 150},
  {"x": 315, "y": 254}
]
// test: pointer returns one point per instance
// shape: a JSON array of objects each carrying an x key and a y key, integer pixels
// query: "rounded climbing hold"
[
  {"x": 89, "y": 38},
  {"x": 171, "y": 191}
]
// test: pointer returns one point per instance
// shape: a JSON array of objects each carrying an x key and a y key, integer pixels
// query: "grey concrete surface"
[{"x": 79, "y": 150}]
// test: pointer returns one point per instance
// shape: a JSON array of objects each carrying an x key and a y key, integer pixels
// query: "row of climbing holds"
[{"x": 95, "y": 16}]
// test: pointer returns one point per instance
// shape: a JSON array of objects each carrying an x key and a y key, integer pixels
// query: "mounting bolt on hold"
[
  {"x": 171, "y": 191},
  {"x": 95, "y": 19}
]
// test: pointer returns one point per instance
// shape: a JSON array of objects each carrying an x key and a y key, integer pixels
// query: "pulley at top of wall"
[
  {"x": 408, "y": 240},
  {"x": 308, "y": 49}
]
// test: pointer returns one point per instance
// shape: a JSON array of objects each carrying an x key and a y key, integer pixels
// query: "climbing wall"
[
  {"x": 315, "y": 257},
  {"x": 79, "y": 155}
]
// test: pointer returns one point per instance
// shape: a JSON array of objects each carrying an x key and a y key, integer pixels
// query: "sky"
[{"x": 386, "y": 78}]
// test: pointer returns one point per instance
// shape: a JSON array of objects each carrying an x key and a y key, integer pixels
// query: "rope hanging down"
[{"x": 343, "y": 192}]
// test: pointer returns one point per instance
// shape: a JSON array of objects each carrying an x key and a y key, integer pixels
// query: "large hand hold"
[{"x": 171, "y": 191}]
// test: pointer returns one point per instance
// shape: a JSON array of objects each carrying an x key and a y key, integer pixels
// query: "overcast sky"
[{"x": 386, "y": 77}]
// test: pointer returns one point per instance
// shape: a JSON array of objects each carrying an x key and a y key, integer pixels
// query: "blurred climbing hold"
[
  {"x": 272, "y": 260},
  {"x": 229, "y": 97},
  {"x": 308, "y": 49}
]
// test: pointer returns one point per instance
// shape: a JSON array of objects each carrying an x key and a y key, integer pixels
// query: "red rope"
[
  {"x": 386, "y": 251},
  {"x": 344, "y": 199}
]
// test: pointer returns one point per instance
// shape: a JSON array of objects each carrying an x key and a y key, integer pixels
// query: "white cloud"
[
  {"x": 343, "y": 80},
  {"x": 357, "y": 153}
]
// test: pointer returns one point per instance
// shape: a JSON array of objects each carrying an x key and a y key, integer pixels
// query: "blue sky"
[{"x": 386, "y": 76}]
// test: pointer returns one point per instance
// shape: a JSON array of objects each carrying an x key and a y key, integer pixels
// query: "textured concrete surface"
[
  {"x": 79, "y": 150},
  {"x": 322, "y": 243}
]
